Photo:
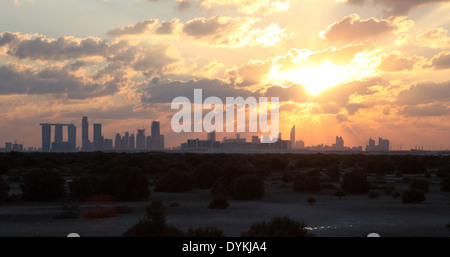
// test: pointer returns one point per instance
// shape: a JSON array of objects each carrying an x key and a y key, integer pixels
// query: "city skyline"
[{"x": 358, "y": 69}]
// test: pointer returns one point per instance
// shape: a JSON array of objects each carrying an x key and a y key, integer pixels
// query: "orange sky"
[{"x": 356, "y": 68}]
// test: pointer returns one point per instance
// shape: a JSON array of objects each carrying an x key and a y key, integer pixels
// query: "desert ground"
[{"x": 351, "y": 216}]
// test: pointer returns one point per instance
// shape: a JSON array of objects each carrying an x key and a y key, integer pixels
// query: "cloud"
[
  {"x": 213, "y": 31},
  {"x": 440, "y": 62},
  {"x": 425, "y": 93},
  {"x": 296, "y": 93},
  {"x": 154, "y": 59},
  {"x": 183, "y": 5},
  {"x": 428, "y": 110},
  {"x": 167, "y": 91},
  {"x": 38, "y": 47},
  {"x": 53, "y": 81},
  {"x": 393, "y": 62},
  {"x": 434, "y": 38},
  {"x": 353, "y": 29},
  {"x": 395, "y": 7},
  {"x": 136, "y": 29}
]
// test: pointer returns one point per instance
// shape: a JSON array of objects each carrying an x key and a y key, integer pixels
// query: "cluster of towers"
[{"x": 155, "y": 142}]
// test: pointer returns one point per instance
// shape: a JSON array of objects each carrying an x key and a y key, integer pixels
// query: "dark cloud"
[
  {"x": 167, "y": 27},
  {"x": 136, "y": 29},
  {"x": 395, "y": 63},
  {"x": 296, "y": 93},
  {"x": 166, "y": 92},
  {"x": 429, "y": 110},
  {"x": 425, "y": 93},
  {"x": 153, "y": 59},
  {"x": 183, "y": 5},
  {"x": 353, "y": 29},
  {"x": 441, "y": 61},
  {"x": 396, "y": 7},
  {"x": 51, "y": 81}
]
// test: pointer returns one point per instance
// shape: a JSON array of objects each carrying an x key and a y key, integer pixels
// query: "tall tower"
[
  {"x": 98, "y": 140},
  {"x": 293, "y": 137},
  {"x": 156, "y": 129},
  {"x": 72, "y": 131},
  {"x": 58, "y": 133},
  {"x": 140, "y": 140},
  {"x": 85, "y": 134},
  {"x": 46, "y": 137}
]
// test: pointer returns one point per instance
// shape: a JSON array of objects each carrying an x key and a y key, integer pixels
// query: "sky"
[{"x": 358, "y": 69}]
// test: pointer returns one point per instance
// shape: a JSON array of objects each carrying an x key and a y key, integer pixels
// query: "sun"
[{"x": 316, "y": 79}]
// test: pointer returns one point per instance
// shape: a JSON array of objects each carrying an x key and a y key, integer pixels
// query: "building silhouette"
[
  {"x": 58, "y": 144},
  {"x": 85, "y": 134},
  {"x": 98, "y": 138},
  {"x": 140, "y": 140},
  {"x": 383, "y": 145},
  {"x": 293, "y": 137}
]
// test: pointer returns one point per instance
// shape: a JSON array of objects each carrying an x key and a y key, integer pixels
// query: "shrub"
[
  {"x": 42, "y": 185},
  {"x": 277, "y": 227},
  {"x": 445, "y": 185},
  {"x": 308, "y": 184},
  {"x": 389, "y": 189},
  {"x": 205, "y": 232},
  {"x": 355, "y": 182},
  {"x": 413, "y": 196},
  {"x": 147, "y": 228},
  {"x": 156, "y": 212},
  {"x": 448, "y": 225},
  {"x": 443, "y": 172},
  {"x": 247, "y": 187},
  {"x": 311, "y": 200},
  {"x": 396, "y": 195},
  {"x": 82, "y": 188},
  {"x": 206, "y": 174},
  {"x": 4, "y": 188},
  {"x": 373, "y": 195},
  {"x": 340, "y": 193},
  {"x": 420, "y": 184},
  {"x": 126, "y": 184},
  {"x": 219, "y": 202},
  {"x": 175, "y": 182}
]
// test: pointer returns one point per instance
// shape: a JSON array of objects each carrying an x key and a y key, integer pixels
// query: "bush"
[
  {"x": 247, "y": 187},
  {"x": 175, "y": 182},
  {"x": 206, "y": 174},
  {"x": 277, "y": 227},
  {"x": 147, "y": 228},
  {"x": 219, "y": 202},
  {"x": 42, "y": 185},
  {"x": 308, "y": 184},
  {"x": 355, "y": 182},
  {"x": 4, "y": 188},
  {"x": 82, "y": 188},
  {"x": 419, "y": 184},
  {"x": 311, "y": 200},
  {"x": 373, "y": 195},
  {"x": 413, "y": 196},
  {"x": 126, "y": 184},
  {"x": 154, "y": 224},
  {"x": 445, "y": 185},
  {"x": 443, "y": 172},
  {"x": 156, "y": 212},
  {"x": 205, "y": 232},
  {"x": 395, "y": 195},
  {"x": 340, "y": 193},
  {"x": 389, "y": 189}
]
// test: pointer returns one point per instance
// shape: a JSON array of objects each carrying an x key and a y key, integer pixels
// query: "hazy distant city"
[{"x": 53, "y": 135}]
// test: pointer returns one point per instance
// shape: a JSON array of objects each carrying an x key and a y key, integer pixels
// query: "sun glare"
[{"x": 318, "y": 78}]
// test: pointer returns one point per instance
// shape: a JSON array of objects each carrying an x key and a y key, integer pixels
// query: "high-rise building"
[
  {"x": 46, "y": 137},
  {"x": 107, "y": 144},
  {"x": 85, "y": 134},
  {"x": 140, "y": 140},
  {"x": 255, "y": 140},
  {"x": 126, "y": 141},
  {"x": 156, "y": 129},
  {"x": 118, "y": 142},
  {"x": 72, "y": 131},
  {"x": 98, "y": 139},
  {"x": 131, "y": 142},
  {"x": 58, "y": 133},
  {"x": 212, "y": 136},
  {"x": 156, "y": 141},
  {"x": 293, "y": 137},
  {"x": 8, "y": 146}
]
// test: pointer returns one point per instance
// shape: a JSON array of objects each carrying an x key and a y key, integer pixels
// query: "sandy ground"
[{"x": 352, "y": 216}]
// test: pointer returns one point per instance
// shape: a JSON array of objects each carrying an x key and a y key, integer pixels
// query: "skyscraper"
[
  {"x": 72, "y": 131},
  {"x": 98, "y": 139},
  {"x": 140, "y": 140},
  {"x": 85, "y": 134},
  {"x": 293, "y": 137},
  {"x": 46, "y": 137},
  {"x": 156, "y": 129},
  {"x": 58, "y": 133}
]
